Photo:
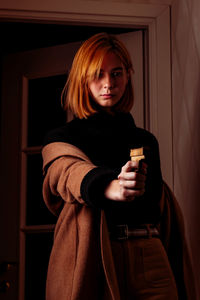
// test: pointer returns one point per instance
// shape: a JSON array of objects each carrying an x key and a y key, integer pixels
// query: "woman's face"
[{"x": 108, "y": 89}]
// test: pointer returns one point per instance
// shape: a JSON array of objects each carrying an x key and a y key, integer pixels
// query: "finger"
[
  {"x": 139, "y": 167},
  {"x": 130, "y": 165},
  {"x": 127, "y": 193},
  {"x": 130, "y": 194},
  {"x": 132, "y": 184},
  {"x": 132, "y": 176}
]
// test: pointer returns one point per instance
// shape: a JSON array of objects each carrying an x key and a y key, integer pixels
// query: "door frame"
[{"x": 154, "y": 17}]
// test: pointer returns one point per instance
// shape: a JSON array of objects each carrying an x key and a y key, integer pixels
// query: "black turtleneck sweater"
[{"x": 107, "y": 139}]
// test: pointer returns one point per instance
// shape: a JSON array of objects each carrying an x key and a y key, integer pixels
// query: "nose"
[{"x": 108, "y": 82}]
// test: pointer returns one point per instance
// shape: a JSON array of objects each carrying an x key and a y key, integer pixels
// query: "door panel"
[
  {"x": 36, "y": 211},
  {"x": 44, "y": 109},
  {"x": 32, "y": 84}
]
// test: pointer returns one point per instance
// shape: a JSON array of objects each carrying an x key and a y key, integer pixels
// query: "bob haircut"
[{"x": 86, "y": 67}]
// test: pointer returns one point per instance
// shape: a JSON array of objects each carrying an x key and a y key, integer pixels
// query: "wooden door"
[{"x": 32, "y": 84}]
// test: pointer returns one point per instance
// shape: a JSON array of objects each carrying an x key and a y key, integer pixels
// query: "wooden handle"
[{"x": 137, "y": 154}]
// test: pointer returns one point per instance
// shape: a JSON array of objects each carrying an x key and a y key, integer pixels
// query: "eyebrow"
[{"x": 114, "y": 69}]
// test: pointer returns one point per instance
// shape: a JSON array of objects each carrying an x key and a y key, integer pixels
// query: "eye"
[
  {"x": 100, "y": 75},
  {"x": 116, "y": 74},
  {"x": 97, "y": 76}
]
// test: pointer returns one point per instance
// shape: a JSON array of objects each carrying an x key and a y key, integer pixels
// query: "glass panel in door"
[{"x": 43, "y": 114}]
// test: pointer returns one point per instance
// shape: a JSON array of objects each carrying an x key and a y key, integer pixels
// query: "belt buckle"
[{"x": 123, "y": 229}]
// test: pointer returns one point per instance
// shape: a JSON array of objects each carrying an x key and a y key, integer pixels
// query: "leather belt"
[{"x": 124, "y": 232}]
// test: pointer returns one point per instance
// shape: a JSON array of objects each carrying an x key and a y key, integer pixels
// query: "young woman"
[{"x": 119, "y": 232}]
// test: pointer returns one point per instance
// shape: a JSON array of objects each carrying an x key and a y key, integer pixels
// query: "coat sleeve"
[{"x": 64, "y": 167}]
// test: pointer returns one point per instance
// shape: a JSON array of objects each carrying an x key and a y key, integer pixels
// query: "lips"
[{"x": 107, "y": 96}]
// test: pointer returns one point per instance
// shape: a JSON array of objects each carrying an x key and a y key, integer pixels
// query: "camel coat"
[{"x": 81, "y": 240}]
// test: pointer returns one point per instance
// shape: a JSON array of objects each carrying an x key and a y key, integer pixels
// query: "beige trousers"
[{"x": 143, "y": 270}]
